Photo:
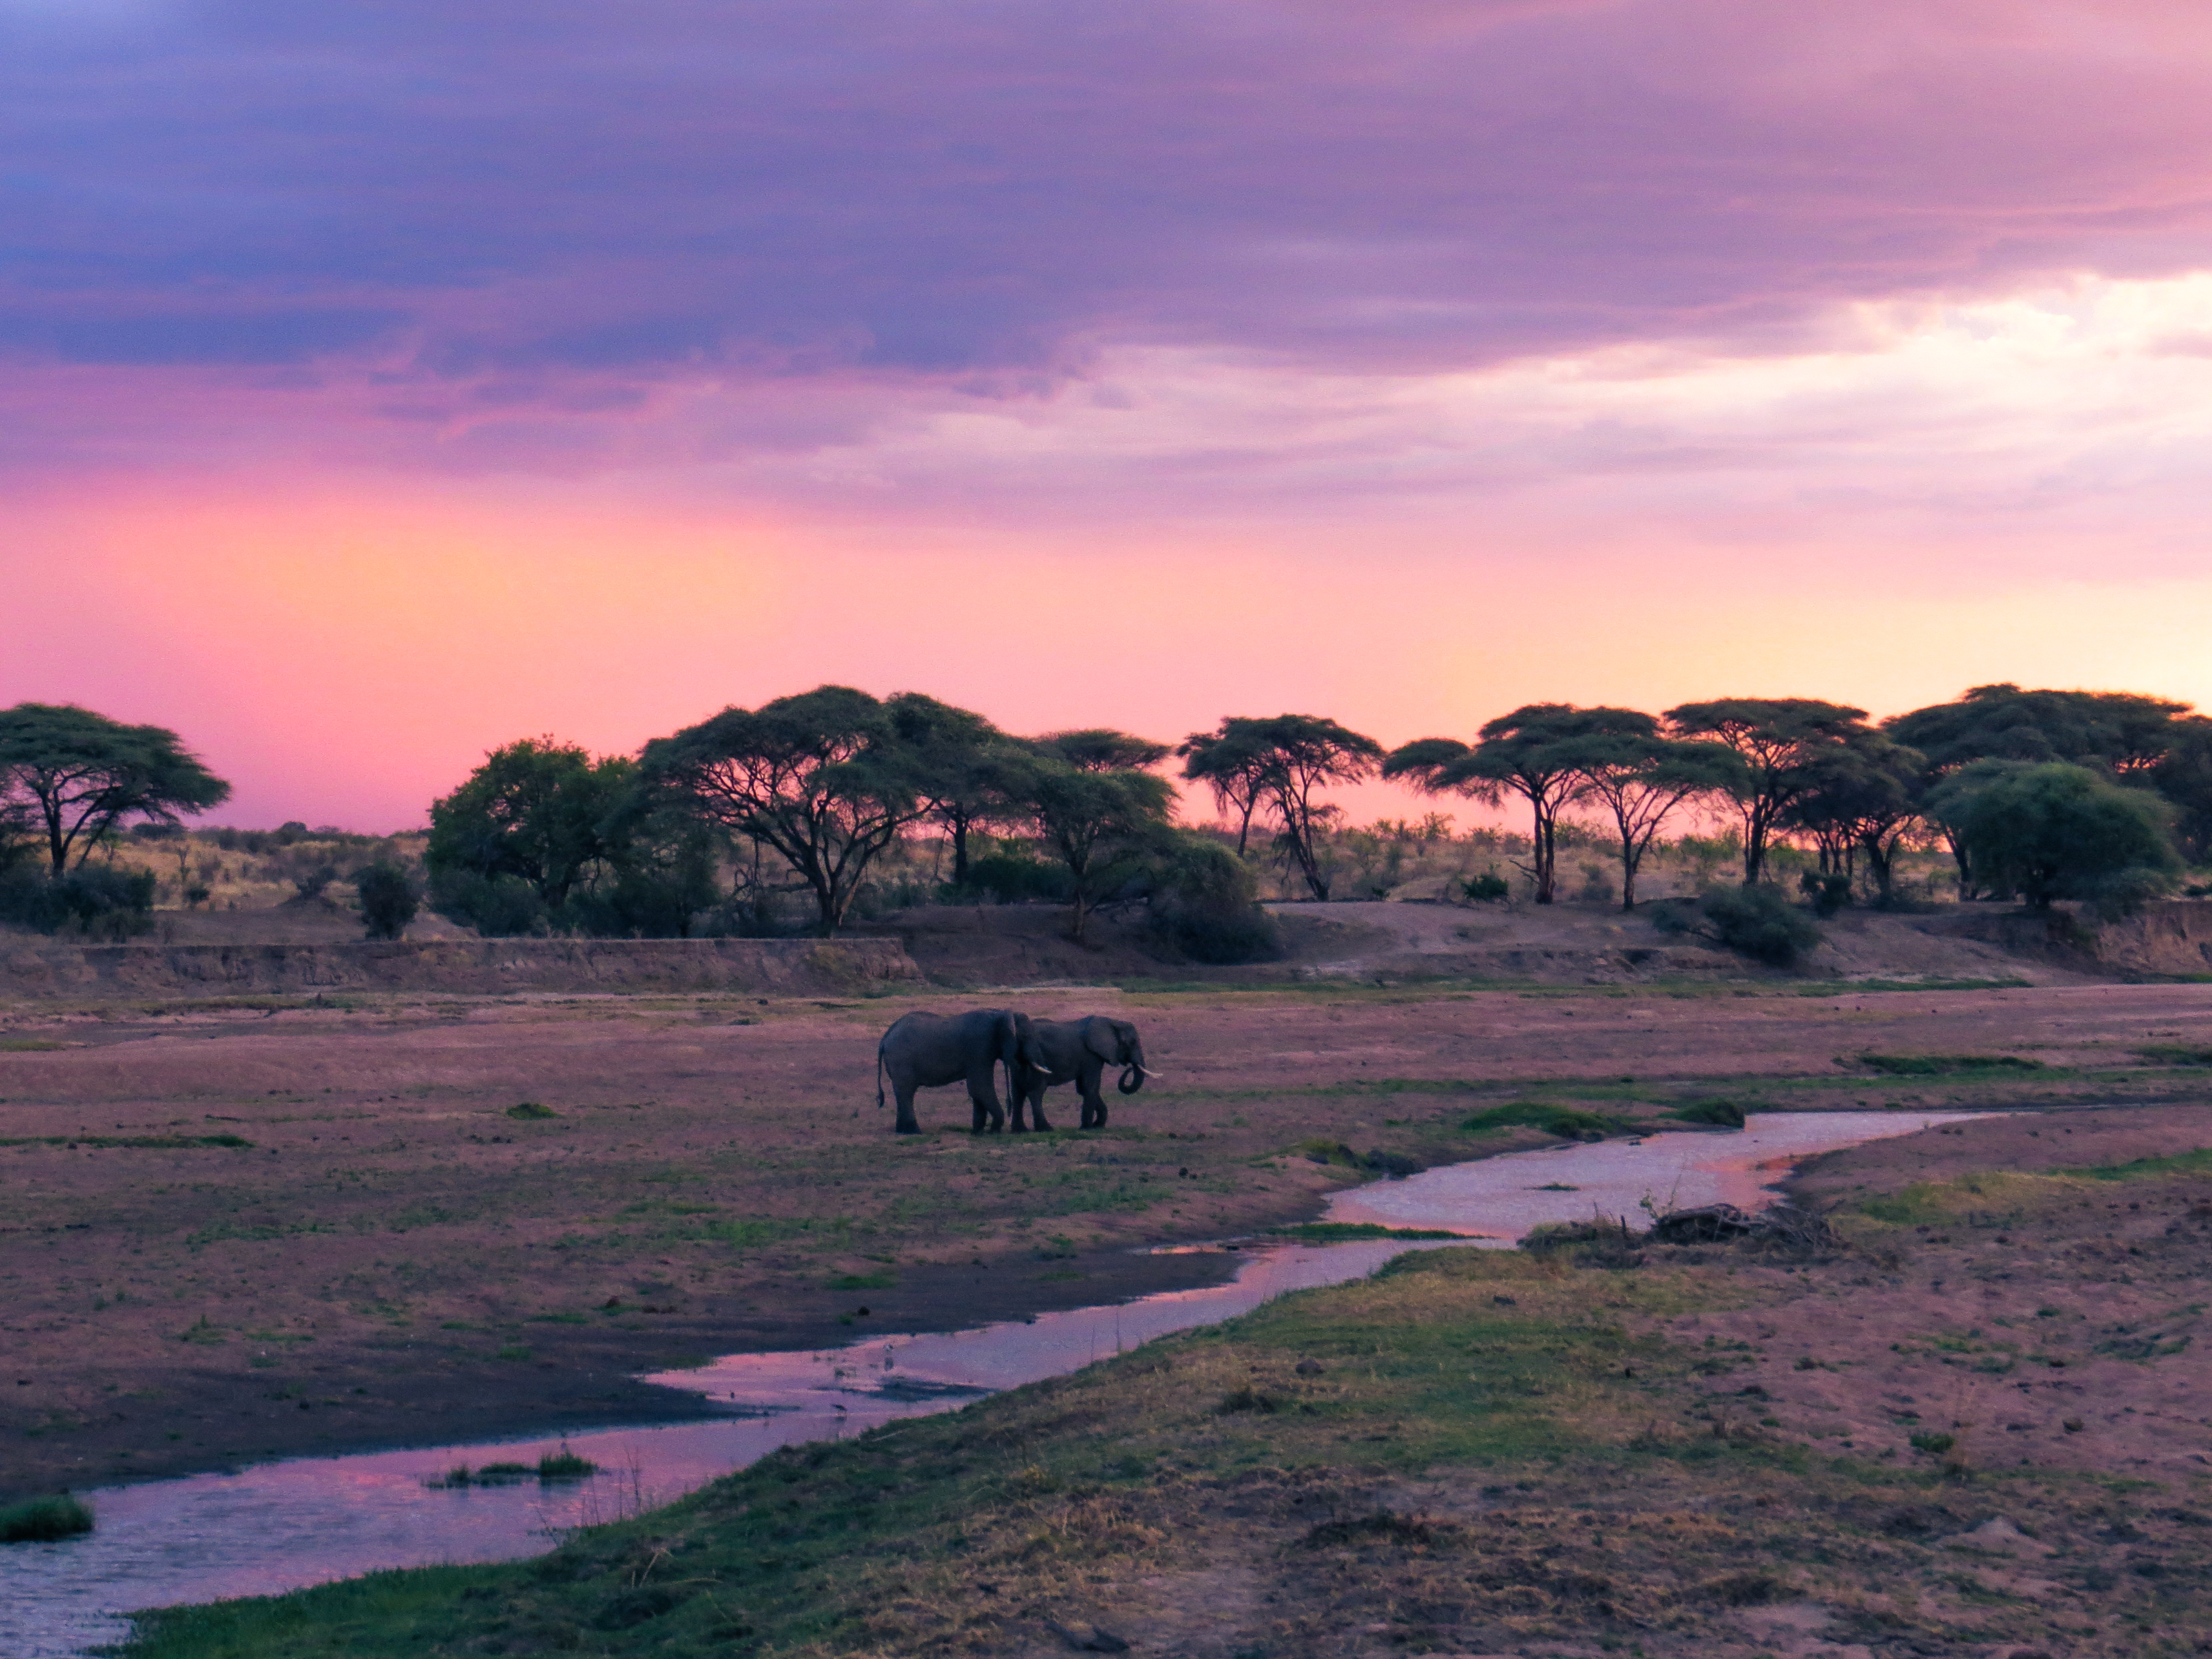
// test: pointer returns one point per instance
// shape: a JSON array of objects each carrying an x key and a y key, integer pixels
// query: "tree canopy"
[
  {"x": 1286, "y": 758},
  {"x": 1539, "y": 752},
  {"x": 2115, "y": 731},
  {"x": 77, "y": 776},
  {"x": 1639, "y": 775},
  {"x": 1776, "y": 741},
  {"x": 536, "y": 809},
  {"x": 1101, "y": 824},
  {"x": 823, "y": 778},
  {"x": 1860, "y": 796},
  {"x": 2054, "y": 830}
]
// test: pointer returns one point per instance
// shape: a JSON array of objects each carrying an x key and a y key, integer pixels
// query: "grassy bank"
[{"x": 1475, "y": 1451}]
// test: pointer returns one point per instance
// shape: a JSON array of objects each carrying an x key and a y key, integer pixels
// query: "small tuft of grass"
[
  {"x": 26, "y": 1045},
  {"x": 530, "y": 1111},
  {"x": 43, "y": 1520},
  {"x": 565, "y": 1465},
  {"x": 876, "y": 1281}
]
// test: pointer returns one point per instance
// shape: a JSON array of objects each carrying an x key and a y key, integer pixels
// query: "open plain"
[{"x": 247, "y": 1228}]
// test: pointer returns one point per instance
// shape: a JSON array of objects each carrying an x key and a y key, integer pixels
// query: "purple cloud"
[{"x": 559, "y": 207}]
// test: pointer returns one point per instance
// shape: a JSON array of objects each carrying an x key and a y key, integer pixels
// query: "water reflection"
[{"x": 280, "y": 1526}]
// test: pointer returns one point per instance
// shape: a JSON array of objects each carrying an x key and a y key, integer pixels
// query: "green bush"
[
  {"x": 1759, "y": 923},
  {"x": 498, "y": 907},
  {"x": 388, "y": 899},
  {"x": 1204, "y": 906},
  {"x": 43, "y": 1520},
  {"x": 92, "y": 902},
  {"x": 2055, "y": 831},
  {"x": 1724, "y": 1114},
  {"x": 1488, "y": 888}
]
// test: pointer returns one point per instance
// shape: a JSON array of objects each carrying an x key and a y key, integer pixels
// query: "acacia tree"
[
  {"x": 1531, "y": 753},
  {"x": 77, "y": 776},
  {"x": 2120, "y": 732},
  {"x": 1232, "y": 763},
  {"x": 1099, "y": 822},
  {"x": 822, "y": 779},
  {"x": 1640, "y": 776},
  {"x": 959, "y": 761},
  {"x": 1295, "y": 755},
  {"x": 1862, "y": 799},
  {"x": 1776, "y": 740}
]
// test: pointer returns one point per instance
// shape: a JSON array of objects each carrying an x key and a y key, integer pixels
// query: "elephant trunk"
[{"x": 1133, "y": 1074}]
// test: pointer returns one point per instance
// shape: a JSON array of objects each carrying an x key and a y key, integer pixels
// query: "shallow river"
[{"x": 278, "y": 1526}]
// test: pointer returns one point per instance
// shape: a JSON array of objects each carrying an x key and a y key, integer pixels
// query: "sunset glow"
[{"x": 377, "y": 392}]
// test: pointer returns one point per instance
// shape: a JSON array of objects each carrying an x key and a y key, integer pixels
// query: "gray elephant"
[
  {"x": 1078, "y": 1051},
  {"x": 927, "y": 1051}
]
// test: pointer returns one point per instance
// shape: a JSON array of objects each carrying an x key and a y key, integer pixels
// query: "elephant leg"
[
  {"x": 905, "y": 1124},
  {"x": 1037, "y": 1106},
  {"x": 988, "y": 1110},
  {"x": 1015, "y": 1102}
]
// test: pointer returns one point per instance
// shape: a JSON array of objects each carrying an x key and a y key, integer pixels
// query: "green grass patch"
[
  {"x": 43, "y": 1520},
  {"x": 1567, "y": 1122},
  {"x": 1941, "y": 1065},
  {"x": 1341, "y": 1232},
  {"x": 876, "y": 1281},
  {"x": 1723, "y": 1114},
  {"x": 2143, "y": 1169},
  {"x": 530, "y": 1111},
  {"x": 27, "y": 1045},
  {"x": 2175, "y": 1053}
]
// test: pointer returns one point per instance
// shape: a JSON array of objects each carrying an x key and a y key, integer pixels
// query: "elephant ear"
[{"x": 1112, "y": 1051}]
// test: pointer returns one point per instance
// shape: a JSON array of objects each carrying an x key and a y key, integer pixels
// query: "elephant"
[
  {"x": 1078, "y": 1051},
  {"x": 927, "y": 1051}
]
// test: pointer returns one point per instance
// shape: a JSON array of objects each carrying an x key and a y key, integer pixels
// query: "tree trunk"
[
  {"x": 959, "y": 850},
  {"x": 1544, "y": 855}
]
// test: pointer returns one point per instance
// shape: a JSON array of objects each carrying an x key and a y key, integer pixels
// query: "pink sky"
[{"x": 373, "y": 392}]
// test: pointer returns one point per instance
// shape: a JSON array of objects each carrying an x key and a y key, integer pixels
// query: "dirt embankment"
[{"x": 777, "y": 967}]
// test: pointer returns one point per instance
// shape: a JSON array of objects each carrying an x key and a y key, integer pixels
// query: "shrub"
[
  {"x": 92, "y": 901},
  {"x": 1827, "y": 893},
  {"x": 1488, "y": 888},
  {"x": 388, "y": 899},
  {"x": 1204, "y": 905},
  {"x": 308, "y": 884},
  {"x": 1759, "y": 923},
  {"x": 498, "y": 907},
  {"x": 43, "y": 1520}
]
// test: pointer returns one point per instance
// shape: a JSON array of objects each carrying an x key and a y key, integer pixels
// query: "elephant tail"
[{"x": 879, "y": 1076}]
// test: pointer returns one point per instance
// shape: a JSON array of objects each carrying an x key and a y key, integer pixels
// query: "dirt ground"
[{"x": 398, "y": 1253}]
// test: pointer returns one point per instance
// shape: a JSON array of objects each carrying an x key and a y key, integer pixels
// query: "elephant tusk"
[{"x": 1155, "y": 1076}]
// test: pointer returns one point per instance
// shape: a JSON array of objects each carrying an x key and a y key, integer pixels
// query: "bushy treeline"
[{"x": 722, "y": 826}]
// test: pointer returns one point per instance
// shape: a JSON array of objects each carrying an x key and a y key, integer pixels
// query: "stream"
[{"x": 279, "y": 1526}]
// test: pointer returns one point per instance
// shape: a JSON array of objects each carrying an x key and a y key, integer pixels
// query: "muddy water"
[{"x": 283, "y": 1525}]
